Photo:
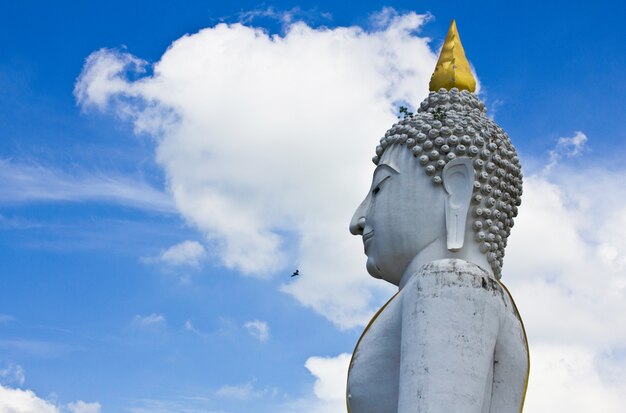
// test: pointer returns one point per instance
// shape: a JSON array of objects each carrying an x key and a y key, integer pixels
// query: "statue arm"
[{"x": 449, "y": 331}]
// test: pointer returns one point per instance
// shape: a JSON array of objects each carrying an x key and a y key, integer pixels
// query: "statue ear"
[{"x": 458, "y": 181}]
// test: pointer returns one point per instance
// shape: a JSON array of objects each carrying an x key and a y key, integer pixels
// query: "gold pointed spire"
[{"x": 453, "y": 69}]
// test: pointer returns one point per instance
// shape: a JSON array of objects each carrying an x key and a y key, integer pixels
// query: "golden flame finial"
[{"x": 453, "y": 69}]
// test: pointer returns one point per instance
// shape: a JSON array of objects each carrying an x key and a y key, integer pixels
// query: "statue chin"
[{"x": 373, "y": 269}]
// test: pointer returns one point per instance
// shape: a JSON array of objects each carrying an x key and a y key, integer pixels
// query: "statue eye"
[{"x": 376, "y": 189}]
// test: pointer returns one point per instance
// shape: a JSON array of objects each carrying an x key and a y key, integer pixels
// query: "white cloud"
[
  {"x": 330, "y": 377},
  {"x": 179, "y": 405},
  {"x": 100, "y": 79},
  {"x": 570, "y": 289},
  {"x": 185, "y": 253},
  {"x": 266, "y": 139},
  {"x": 82, "y": 407},
  {"x": 258, "y": 329},
  {"x": 151, "y": 320},
  {"x": 567, "y": 379},
  {"x": 179, "y": 259},
  {"x": 13, "y": 374},
  {"x": 37, "y": 349},
  {"x": 565, "y": 269},
  {"x": 568, "y": 147},
  {"x": 572, "y": 146},
  {"x": 27, "y": 183},
  {"x": 283, "y": 16},
  {"x": 240, "y": 392},
  {"x": 24, "y": 401},
  {"x": 188, "y": 326},
  {"x": 329, "y": 389}
]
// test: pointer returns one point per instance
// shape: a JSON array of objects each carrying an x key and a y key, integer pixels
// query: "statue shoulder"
[{"x": 450, "y": 271}]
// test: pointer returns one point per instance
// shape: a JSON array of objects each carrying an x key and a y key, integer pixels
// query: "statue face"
[{"x": 401, "y": 215}]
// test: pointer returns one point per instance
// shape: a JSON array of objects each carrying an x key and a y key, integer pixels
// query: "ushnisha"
[{"x": 435, "y": 222}]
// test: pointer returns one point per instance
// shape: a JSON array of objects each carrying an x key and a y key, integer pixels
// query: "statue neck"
[{"x": 438, "y": 250}]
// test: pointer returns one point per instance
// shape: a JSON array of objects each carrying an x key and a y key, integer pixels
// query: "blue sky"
[{"x": 124, "y": 286}]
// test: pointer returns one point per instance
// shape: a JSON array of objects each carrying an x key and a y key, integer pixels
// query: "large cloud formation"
[{"x": 266, "y": 139}]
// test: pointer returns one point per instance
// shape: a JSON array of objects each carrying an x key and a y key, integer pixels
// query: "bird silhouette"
[{"x": 296, "y": 272}]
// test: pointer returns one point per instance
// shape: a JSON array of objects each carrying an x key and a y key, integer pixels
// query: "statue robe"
[{"x": 451, "y": 340}]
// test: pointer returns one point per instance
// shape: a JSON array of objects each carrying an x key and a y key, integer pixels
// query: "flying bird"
[{"x": 296, "y": 272}]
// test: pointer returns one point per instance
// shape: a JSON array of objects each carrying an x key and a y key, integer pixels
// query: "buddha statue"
[{"x": 435, "y": 223}]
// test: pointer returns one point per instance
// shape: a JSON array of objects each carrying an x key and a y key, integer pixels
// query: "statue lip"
[{"x": 368, "y": 235}]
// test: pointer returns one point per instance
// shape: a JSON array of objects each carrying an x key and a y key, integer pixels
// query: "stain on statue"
[{"x": 435, "y": 222}]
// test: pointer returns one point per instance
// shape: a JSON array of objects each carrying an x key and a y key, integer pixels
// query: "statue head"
[{"x": 447, "y": 185}]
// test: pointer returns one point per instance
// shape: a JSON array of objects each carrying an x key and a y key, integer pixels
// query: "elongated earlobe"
[{"x": 458, "y": 181}]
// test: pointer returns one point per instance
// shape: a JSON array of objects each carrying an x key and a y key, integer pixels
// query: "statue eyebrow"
[{"x": 382, "y": 166}]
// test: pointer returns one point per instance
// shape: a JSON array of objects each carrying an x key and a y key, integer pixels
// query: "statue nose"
[{"x": 357, "y": 225}]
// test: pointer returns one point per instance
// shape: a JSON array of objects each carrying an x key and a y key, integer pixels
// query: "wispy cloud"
[
  {"x": 180, "y": 260},
  {"x": 258, "y": 329},
  {"x": 182, "y": 404},
  {"x": 129, "y": 237},
  {"x": 5, "y": 318},
  {"x": 285, "y": 17},
  {"x": 83, "y": 407},
  {"x": 13, "y": 374},
  {"x": 568, "y": 147},
  {"x": 188, "y": 326},
  {"x": 186, "y": 253},
  {"x": 34, "y": 348},
  {"x": 241, "y": 392},
  {"x": 151, "y": 320},
  {"x": 30, "y": 183},
  {"x": 227, "y": 327}
]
